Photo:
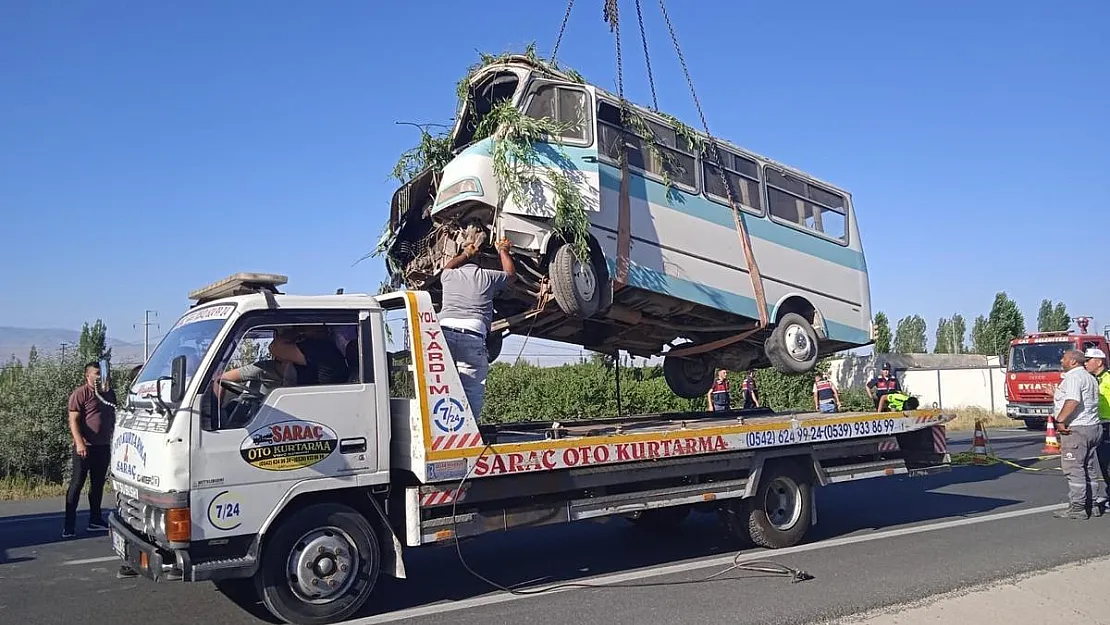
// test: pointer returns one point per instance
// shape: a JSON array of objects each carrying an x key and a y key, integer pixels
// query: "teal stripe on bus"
[{"x": 651, "y": 280}]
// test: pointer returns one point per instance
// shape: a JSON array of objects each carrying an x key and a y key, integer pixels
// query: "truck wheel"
[
  {"x": 688, "y": 377},
  {"x": 1037, "y": 425},
  {"x": 661, "y": 518},
  {"x": 792, "y": 346},
  {"x": 574, "y": 284},
  {"x": 779, "y": 514},
  {"x": 319, "y": 566}
]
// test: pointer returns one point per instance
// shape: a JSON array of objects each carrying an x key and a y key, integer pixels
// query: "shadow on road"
[{"x": 33, "y": 530}]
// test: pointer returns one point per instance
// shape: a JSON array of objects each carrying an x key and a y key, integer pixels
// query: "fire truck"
[
  {"x": 1033, "y": 370},
  {"x": 309, "y": 492}
]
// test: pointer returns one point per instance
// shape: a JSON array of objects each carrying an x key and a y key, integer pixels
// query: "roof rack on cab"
[{"x": 242, "y": 283}]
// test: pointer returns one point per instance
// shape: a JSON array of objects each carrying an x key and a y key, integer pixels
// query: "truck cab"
[{"x": 1033, "y": 370}]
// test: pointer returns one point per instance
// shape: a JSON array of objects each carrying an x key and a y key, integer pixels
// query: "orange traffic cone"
[
  {"x": 979, "y": 445},
  {"x": 1051, "y": 445}
]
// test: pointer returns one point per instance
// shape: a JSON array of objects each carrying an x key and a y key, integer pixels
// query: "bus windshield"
[{"x": 1038, "y": 357}]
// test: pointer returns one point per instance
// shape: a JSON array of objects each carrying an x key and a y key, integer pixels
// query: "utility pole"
[
  {"x": 146, "y": 333},
  {"x": 64, "y": 346}
]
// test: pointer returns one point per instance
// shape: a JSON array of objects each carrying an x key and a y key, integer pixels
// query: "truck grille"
[{"x": 132, "y": 512}]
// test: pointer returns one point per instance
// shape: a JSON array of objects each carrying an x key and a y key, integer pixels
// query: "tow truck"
[
  {"x": 1033, "y": 370},
  {"x": 309, "y": 493}
]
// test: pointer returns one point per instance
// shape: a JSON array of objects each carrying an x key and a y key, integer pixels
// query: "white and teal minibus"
[{"x": 688, "y": 290}]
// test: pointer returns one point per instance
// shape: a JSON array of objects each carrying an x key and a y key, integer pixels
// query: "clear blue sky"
[{"x": 147, "y": 149}]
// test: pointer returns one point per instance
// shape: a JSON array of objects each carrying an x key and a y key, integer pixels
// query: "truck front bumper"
[
  {"x": 147, "y": 559},
  {"x": 1021, "y": 412}
]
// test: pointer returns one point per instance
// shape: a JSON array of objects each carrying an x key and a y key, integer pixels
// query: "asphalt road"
[{"x": 878, "y": 543}]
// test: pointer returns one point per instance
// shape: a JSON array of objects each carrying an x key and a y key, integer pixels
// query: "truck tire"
[
  {"x": 792, "y": 346},
  {"x": 780, "y": 513},
  {"x": 319, "y": 566},
  {"x": 689, "y": 378},
  {"x": 574, "y": 284}
]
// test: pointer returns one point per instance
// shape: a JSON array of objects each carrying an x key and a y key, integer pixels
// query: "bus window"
[
  {"x": 804, "y": 204},
  {"x": 565, "y": 105},
  {"x": 743, "y": 179}
]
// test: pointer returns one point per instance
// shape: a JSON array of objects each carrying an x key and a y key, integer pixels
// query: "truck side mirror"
[
  {"x": 177, "y": 379},
  {"x": 105, "y": 374}
]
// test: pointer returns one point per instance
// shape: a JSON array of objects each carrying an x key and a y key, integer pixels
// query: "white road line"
[
  {"x": 684, "y": 567},
  {"x": 90, "y": 560}
]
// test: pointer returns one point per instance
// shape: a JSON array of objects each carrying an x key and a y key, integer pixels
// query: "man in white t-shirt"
[{"x": 1075, "y": 406}]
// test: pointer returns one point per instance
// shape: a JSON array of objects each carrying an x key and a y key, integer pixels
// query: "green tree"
[
  {"x": 909, "y": 336},
  {"x": 981, "y": 340},
  {"x": 93, "y": 344},
  {"x": 1005, "y": 322},
  {"x": 1052, "y": 318},
  {"x": 882, "y": 334},
  {"x": 950, "y": 335}
]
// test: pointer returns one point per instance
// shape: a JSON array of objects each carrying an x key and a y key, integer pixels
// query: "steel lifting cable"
[
  {"x": 741, "y": 230},
  {"x": 562, "y": 29},
  {"x": 611, "y": 15},
  {"x": 647, "y": 57}
]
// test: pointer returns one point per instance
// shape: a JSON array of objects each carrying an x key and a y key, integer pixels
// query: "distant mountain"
[{"x": 18, "y": 341}]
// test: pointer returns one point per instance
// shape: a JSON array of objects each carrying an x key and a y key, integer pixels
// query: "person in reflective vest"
[
  {"x": 825, "y": 396},
  {"x": 1096, "y": 366},
  {"x": 897, "y": 401},
  {"x": 719, "y": 398},
  {"x": 882, "y": 384}
]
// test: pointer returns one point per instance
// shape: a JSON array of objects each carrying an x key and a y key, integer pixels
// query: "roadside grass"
[
  {"x": 966, "y": 418},
  {"x": 18, "y": 487}
]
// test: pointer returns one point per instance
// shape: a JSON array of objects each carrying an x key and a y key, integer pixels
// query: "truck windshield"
[
  {"x": 1037, "y": 357},
  {"x": 190, "y": 337}
]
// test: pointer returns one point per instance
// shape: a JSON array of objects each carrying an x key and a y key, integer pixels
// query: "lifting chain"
[
  {"x": 647, "y": 58},
  {"x": 562, "y": 29}
]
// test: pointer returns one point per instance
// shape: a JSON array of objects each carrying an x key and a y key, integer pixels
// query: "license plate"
[{"x": 119, "y": 545}]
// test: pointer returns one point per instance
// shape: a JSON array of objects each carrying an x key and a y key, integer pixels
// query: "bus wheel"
[
  {"x": 574, "y": 284},
  {"x": 319, "y": 566},
  {"x": 494, "y": 341},
  {"x": 780, "y": 512},
  {"x": 688, "y": 377},
  {"x": 792, "y": 346}
]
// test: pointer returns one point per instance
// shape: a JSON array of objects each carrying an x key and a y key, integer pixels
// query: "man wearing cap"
[
  {"x": 1075, "y": 404},
  {"x": 1096, "y": 366},
  {"x": 881, "y": 385}
]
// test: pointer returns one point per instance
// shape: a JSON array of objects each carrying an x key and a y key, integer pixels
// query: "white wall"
[{"x": 944, "y": 380}]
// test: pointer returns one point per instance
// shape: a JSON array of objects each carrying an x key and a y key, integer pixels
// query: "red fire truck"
[{"x": 1033, "y": 369}]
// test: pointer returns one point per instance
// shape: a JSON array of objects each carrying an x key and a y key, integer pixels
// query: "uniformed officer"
[
  {"x": 718, "y": 396},
  {"x": 881, "y": 385},
  {"x": 825, "y": 396},
  {"x": 751, "y": 396}
]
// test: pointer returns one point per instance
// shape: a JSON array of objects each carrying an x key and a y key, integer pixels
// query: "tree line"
[{"x": 989, "y": 334}]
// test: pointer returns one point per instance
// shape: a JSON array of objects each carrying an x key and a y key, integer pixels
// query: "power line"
[{"x": 146, "y": 332}]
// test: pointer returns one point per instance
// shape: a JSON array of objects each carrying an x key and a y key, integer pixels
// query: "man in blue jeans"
[{"x": 467, "y": 311}]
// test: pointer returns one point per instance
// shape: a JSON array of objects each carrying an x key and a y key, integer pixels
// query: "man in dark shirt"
[
  {"x": 314, "y": 355},
  {"x": 719, "y": 398},
  {"x": 91, "y": 422}
]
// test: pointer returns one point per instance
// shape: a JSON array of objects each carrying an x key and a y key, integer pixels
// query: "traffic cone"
[
  {"x": 979, "y": 445},
  {"x": 1051, "y": 445}
]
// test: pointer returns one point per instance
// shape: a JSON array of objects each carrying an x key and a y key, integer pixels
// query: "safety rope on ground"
[{"x": 987, "y": 457}]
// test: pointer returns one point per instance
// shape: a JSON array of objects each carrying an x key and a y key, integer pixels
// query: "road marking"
[
  {"x": 672, "y": 569},
  {"x": 90, "y": 560}
]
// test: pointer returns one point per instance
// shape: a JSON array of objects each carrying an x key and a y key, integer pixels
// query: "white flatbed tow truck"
[{"x": 312, "y": 491}]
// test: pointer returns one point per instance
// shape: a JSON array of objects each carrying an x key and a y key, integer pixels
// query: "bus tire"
[
  {"x": 780, "y": 512},
  {"x": 688, "y": 378},
  {"x": 574, "y": 284},
  {"x": 792, "y": 346},
  {"x": 323, "y": 551}
]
